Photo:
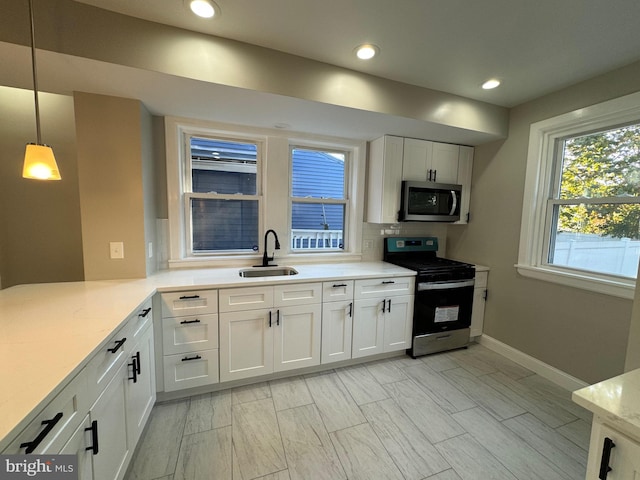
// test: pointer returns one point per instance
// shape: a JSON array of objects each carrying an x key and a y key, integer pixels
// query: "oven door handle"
[{"x": 445, "y": 285}]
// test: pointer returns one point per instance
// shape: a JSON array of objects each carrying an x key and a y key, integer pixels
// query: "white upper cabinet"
[
  {"x": 425, "y": 161},
  {"x": 394, "y": 159},
  {"x": 384, "y": 179}
]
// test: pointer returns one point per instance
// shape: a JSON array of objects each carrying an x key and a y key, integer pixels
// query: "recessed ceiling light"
[
  {"x": 492, "y": 83},
  {"x": 366, "y": 51},
  {"x": 203, "y": 8}
]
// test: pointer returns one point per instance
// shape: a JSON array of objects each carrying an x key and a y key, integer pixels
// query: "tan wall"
[
  {"x": 110, "y": 168},
  {"x": 582, "y": 333},
  {"x": 40, "y": 236}
]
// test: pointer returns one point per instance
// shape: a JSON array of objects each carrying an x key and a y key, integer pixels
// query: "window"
[
  {"x": 228, "y": 184},
  {"x": 318, "y": 199},
  {"x": 581, "y": 211},
  {"x": 221, "y": 195}
]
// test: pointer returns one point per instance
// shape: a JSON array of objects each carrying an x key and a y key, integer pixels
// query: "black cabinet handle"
[
  {"x": 186, "y": 322},
  {"x": 435, "y": 172},
  {"x": 195, "y": 357},
  {"x": 430, "y": 172},
  {"x": 137, "y": 359},
  {"x": 340, "y": 285},
  {"x": 384, "y": 305},
  {"x": 134, "y": 370},
  {"x": 145, "y": 312},
  {"x": 189, "y": 297},
  {"x": 278, "y": 317},
  {"x": 94, "y": 437},
  {"x": 269, "y": 318},
  {"x": 389, "y": 308},
  {"x": 351, "y": 309},
  {"x": 388, "y": 282},
  {"x": 606, "y": 455},
  {"x": 31, "y": 446},
  {"x": 119, "y": 343}
]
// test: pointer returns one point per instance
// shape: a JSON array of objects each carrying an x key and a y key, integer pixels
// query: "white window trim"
[
  {"x": 273, "y": 199},
  {"x": 543, "y": 139}
]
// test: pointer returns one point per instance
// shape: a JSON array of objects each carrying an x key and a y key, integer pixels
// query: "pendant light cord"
[{"x": 35, "y": 77}]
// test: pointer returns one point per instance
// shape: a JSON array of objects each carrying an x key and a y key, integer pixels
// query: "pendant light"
[{"x": 39, "y": 161}]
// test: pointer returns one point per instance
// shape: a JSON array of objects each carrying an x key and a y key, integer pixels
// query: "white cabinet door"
[
  {"x": 110, "y": 413},
  {"x": 384, "y": 179},
  {"x": 296, "y": 340},
  {"x": 246, "y": 344},
  {"x": 398, "y": 323},
  {"x": 444, "y": 163},
  {"x": 417, "y": 159},
  {"x": 368, "y": 327},
  {"x": 337, "y": 326},
  {"x": 189, "y": 333},
  {"x": 141, "y": 386},
  {"x": 197, "y": 302},
  {"x": 81, "y": 445},
  {"x": 188, "y": 370},
  {"x": 624, "y": 459},
  {"x": 465, "y": 168}
]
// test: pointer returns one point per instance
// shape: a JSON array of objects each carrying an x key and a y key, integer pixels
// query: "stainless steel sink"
[{"x": 274, "y": 271}]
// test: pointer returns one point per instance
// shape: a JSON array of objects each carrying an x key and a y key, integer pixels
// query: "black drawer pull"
[
  {"x": 31, "y": 446},
  {"x": 145, "y": 312},
  {"x": 387, "y": 282},
  {"x": 189, "y": 297},
  {"x": 94, "y": 437},
  {"x": 119, "y": 343},
  {"x": 340, "y": 285},
  {"x": 186, "y": 322},
  {"x": 195, "y": 357},
  {"x": 606, "y": 455}
]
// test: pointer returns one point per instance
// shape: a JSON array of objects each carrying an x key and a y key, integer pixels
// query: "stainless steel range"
[{"x": 443, "y": 295}]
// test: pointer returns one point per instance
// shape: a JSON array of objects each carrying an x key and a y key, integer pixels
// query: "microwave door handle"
[{"x": 455, "y": 202}]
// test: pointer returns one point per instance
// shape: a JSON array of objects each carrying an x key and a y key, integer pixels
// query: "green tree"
[{"x": 604, "y": 164}]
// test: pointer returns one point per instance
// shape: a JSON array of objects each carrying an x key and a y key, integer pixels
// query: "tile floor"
[{"x": 466, "y": 414}]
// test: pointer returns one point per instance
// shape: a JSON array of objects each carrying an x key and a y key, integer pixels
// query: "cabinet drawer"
[
  {"x": 190, "y": 370},
  {"x": 251, "y": 298},
  {"x": 375, "y": 287},
  {"x": 55, "y": 424},
  {"x": 481, "y": 279},
  {"x": 141, "y": 320},
  {"x": 189, "y": 334},
  {"x": 189, "y": 303},
  {"x": 297, "y": 294},
  {"x": 104, "y": 364},
  {"x": 337, "y": 291}
]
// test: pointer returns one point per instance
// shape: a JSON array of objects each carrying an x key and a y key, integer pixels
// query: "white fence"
[
  {"x": 616, "y": 256},
  {"x": 316, "y": 239}
]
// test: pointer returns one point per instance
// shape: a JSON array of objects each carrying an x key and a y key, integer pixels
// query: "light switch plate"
[{"x": 116, "y": 250}]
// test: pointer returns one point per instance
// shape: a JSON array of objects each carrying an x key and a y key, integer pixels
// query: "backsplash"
[{"x": 373, "y": 236}]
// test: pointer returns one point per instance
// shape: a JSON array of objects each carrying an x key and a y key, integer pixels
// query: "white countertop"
[
  {"x": 616, "y": 401},
  {"x": 48, "y": 332}
]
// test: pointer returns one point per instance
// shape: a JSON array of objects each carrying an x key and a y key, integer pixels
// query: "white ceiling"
[{"x": 533, "y": 46}]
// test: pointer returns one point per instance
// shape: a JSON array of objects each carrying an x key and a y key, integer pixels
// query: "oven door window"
[{"x": 440, "y": 310}]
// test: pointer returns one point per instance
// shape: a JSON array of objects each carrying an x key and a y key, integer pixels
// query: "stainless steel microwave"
[{"x": 429, "y": 202}]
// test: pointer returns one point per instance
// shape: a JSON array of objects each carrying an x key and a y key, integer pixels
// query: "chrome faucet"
[{"x": 266, "y": 258}]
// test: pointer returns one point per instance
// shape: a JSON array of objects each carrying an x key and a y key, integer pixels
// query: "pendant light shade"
[{"x": 39, "y": 161}]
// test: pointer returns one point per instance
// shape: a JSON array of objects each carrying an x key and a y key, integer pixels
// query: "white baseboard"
[{"x": 545, "y": 370}]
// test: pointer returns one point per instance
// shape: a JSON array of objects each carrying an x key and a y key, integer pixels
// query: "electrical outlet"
[{"x": 116, "y": 250}]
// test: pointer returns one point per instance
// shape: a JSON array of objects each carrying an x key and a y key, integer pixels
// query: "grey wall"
[{"x": 582, "y": 333}]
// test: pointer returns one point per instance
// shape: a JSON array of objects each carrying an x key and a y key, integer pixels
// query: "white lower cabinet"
[
  {"x": 479, "y": 300},
  {"x": 81, "y": 445},
  {"x": 383, "y": 316},
  {"x": 110, "y": 413},
  {"x": 337, "y": 327},
  {"x": 284, "y": 335},
  {"x": 612, "y": 455}
]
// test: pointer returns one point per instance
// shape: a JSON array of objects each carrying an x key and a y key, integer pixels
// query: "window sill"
[{"x": 607, "y": 286}]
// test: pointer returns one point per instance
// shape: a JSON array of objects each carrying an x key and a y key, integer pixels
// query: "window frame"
[
  {"x": 545, "y": 139},
  {"x": 348, "y": 154},
  {"x": 275, "y": 190}
]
